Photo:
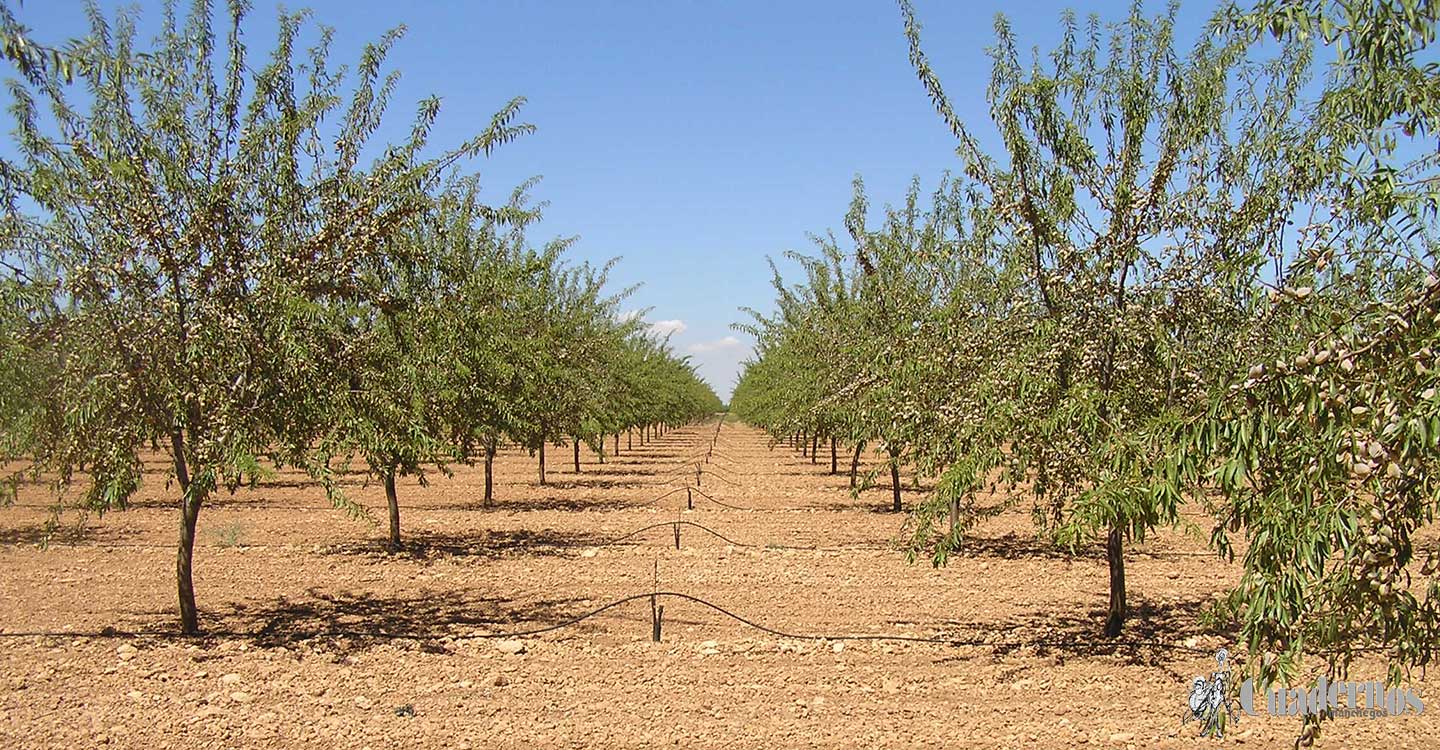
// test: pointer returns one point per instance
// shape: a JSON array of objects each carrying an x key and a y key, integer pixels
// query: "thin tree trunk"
[
  {"x": 814, "y": 447},
  {"x": 630, "y": 440},
  {"x": 895, "y": 480},
  {"x": 617, "y": 443},
  {"x": 577, "y": 455},
  {"x": 1115, "y": 554},
  {"x": 489, "y": 471},
  {"x": 855, "y": 462},
  {"x": 184, "y": 556},
  {"x": 393, "y": 502},
  {"x": 833, "y": 464},
  {"x": 804, "y": 444},
  {"x": 542, "y": 462}
]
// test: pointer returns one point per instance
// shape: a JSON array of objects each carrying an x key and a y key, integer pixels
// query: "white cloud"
[
  {"x": 729, "y": 342},
  {"x": 667, "y": 327}
]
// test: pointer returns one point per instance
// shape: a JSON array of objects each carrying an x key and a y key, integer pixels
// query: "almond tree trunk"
[
  {"x": 185, "y": 554},
  {"x": 855, "y": 462},
  {"x": 489, "y": 471},
  {"x": 393, "y": 502},
  {"x": 895, "y": 480},
  {"x": 833, "y": 465},
  {"x": 1115, "y": 554},
  {"x": 542, "y": 462},
  {"x": 814, "y": 446}
]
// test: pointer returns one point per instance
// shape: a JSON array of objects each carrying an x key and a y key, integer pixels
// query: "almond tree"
[
  {"x": 431, "y": 342},
  {"x": 829, "y": 357},
  {"x": 1137, "y": 185},
  {"x": 486, "y": 271},
  {"x": 1325, "y": 447},
  {"x": 182, "y": 235}
]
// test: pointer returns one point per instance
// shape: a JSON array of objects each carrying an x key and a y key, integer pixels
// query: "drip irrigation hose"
[
  {"x": 947, "y": 641},
  {"x": 733, "y": 542}
]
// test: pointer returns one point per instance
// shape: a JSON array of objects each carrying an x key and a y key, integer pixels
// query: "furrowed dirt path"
[{"x": 317, "y": 638}]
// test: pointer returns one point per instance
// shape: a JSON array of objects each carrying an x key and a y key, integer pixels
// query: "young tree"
[
  {"x": 486, "y": 274},
  {"x": 1324, "y": 450},
  {"x": 1137, "y": 185},
  {"x": 181, "y": 241}
]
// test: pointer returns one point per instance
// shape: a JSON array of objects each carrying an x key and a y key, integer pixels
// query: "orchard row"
[
  {"x": 211, "y": 256},
  {"x": 1183, "y": 277}
]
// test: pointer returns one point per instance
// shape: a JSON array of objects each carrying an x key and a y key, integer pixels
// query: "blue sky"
[{"x": 691, "y": 139}]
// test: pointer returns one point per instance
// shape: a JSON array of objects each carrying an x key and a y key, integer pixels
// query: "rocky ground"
[{"x": 317, "y": 638}]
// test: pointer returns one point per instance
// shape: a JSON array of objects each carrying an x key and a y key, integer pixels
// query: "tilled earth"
[{"x": 317, "y": 638}]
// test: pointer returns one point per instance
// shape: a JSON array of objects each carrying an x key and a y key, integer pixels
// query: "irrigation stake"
[
  {"x": 656, "y": 612},
  {"x": 689, "y": 499},
  {"x": 676, "y": 526}
]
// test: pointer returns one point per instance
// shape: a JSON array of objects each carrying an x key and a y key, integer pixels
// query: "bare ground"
[{"x": 317, "y": 638}]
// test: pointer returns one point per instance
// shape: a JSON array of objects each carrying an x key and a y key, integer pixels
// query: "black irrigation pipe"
[
  {"x": 709, "y": 452},
  {"x": 730, "y": 468},
  {"x": 678, "y": 523},
  {"x": 936, "y": 640},
  {"x": 684, "y": 475},
  {"x": 712, "y": 451},
  {"x": 716, "y": 465},
  {"x": 712, "y": 499},
  {"x": 685, "y": 465},
  {"x": 720, "y": 477},
  {"x": 662, "y": 496},
  {"x": 678, "y": 470},
  {"x": 698, "y": 459},
  {"x": 954, "y": 642},
  {"x": 695, "y": 490}
]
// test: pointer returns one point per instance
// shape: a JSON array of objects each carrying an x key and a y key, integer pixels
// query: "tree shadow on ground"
[
  {"x": 356, "y": 621},
  {"x": 1014, "y": 546},
  {"x": 308, "y": 484},
  {"x": 599, "y": 483},
  {"x": 549, "y": 502},
  {"x": 863, "y": 505},
  {"x": 492, "y": 544},
  {"x": 67, "y": 534},
  {"x": 642, "y": 468},
  {"x": 1151, "y": 634}
]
